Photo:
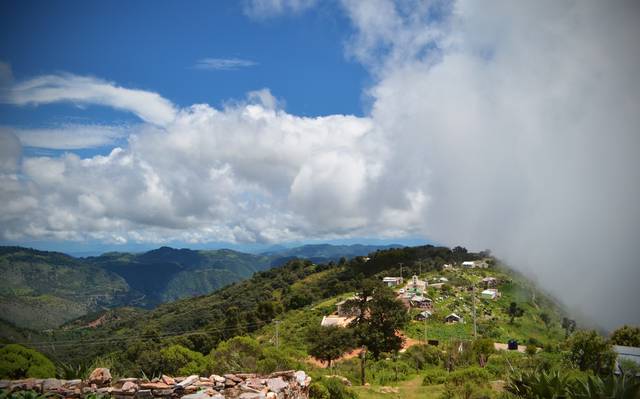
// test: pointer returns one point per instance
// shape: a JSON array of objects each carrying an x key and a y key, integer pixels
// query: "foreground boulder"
[
  {"x": 100, "y": 376},
  {"x": 280, "y": 385}
]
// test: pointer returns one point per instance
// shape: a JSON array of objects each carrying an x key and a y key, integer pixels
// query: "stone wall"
[{"x": 279, "y": 385}]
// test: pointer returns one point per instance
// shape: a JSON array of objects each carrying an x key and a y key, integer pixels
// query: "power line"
[{"x": 79, "y": 342}]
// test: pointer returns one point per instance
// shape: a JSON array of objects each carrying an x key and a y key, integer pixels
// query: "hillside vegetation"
[{"x": 43, "y": 290}]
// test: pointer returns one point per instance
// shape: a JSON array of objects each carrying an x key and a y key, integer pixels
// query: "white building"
[
  {"x": 337, "y": 321},
  {"x": 392, "y": 281}
]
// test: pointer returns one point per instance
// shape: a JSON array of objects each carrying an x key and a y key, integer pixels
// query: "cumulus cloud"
[
  {"x": 260, "y": 9},
  {"x": 148, "y": 106},
  {"x": 224, "y": 64},
  {"x": 249, "y": 172}
]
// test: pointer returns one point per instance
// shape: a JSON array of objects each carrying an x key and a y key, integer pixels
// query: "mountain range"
[{"x": 42, "y": 290}]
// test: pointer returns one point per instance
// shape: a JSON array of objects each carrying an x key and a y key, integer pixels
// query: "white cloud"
[
  {"x": 148, "y": 106},
  {"x": 224, "y": 64},
  {"x": 522, "y": 130},
  {"x": 69, "y": 136},
  {"x": 260, "y": 9}
]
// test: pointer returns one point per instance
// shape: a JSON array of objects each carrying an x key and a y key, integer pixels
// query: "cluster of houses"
[{"x": 413, "y": 296}]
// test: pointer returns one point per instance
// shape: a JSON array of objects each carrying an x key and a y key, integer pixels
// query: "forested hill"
[
  {"x": 42, "y": 290},
  {"x": 324, "y": 253},
  {"x": 167, "y": 274},
  {"x": 247, "y": 307}
]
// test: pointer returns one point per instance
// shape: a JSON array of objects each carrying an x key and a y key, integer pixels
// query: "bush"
[
  {"x": 385, "y": 371},
  {"x": 318, "y": 391},
  {"x": 237, "y": 354},
  {"x": 18, "y": 362},
  {"x": 421, "y": 356},
  {"x": 275, "y": 360},
  {"x": 337, "y": 390},
  {"x": 474, "y": 375},
  {"x": 178, "y": 360},
  {"x": 434, "y": 376}
]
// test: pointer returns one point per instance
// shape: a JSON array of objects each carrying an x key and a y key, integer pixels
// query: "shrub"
[
  {"x": 474, "y": 374},
  {"x": 385, "y": 371},
  {"x": 421, "y": 356},
  {"x": 318, "y": 391},
  {"x": 237, "y": 354},
  {"x": 434, "y": 376},
  {"x": 178, "y": 360},
  {"x": 337, "y": 390},
  {"x": 18, "y": 362},
  {"x": 275, "y": 360}
]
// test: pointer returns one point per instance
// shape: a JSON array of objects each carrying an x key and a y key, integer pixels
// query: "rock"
[
  {"x": 252, "y": 395},
  {"x": 285, "y": 374},
  {"x": 129, "y": 386},
  {"x": 168, "y": 380},
  {"x": 144, "y": 394},
  {"x": 162, "y": 392},
  {"x": 100, "y": 376},
  {"x": 50, "y": 384},
  {"x": 246, "y": 375},
  {"x": 272, "y": 395},
  {"x": 188, "y": 381},
  {"x": 276, "y": 384},
  {"x": 216, "y": 378},
  {"x": 73, "y": 383},
  {"x": 301, "y": 377},
  {"x": 154, "y": 385},
  {"x": 229, "y": 382},
  {"x": 4, "y": 384},
  {"x": 233, "y": 378},
  {"x": 203, "y": 395}
]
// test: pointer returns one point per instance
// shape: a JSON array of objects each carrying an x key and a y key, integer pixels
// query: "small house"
[
  {"x": 419, "y": 301},
  {"x": 453, "y": 318},
  {"x": 469, "y": 264},
  {"x": 442, "y": 279},
  {"x": 490, "y": 293},
  {"x": 424, "y": 315},
  {"x": 337, "y": 321},
  {"x": 490, "y": 282},
  {"x": 392, "y": 281},
  {"x": 447, "y": 267}
]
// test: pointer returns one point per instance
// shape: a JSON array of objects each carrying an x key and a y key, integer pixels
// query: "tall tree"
[
  {"x": 378, "y": 327},
  {"x": 329, "y": 343},
  {"x": 546, "y": 319},
  {"x": 569, "y": 326},
  {"x": 514, "y": 311}
]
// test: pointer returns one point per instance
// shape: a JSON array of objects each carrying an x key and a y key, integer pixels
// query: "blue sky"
[
  {"x": 155, "y": 46},
  {"x": 164, "y": 47}
]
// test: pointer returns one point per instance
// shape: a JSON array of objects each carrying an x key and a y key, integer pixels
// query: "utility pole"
[
  {"x": 400, "y": 270},
  {"x": 475, "y": 329},
  {"x": 277, "y": 335},
  {"x": 363, "y": 356},
  {"x": 425, "y": 330}
]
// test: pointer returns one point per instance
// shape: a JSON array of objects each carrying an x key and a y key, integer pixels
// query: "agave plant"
[
  {"x": 540, "y": 384},
  {"x": 622, "y": 387}
]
